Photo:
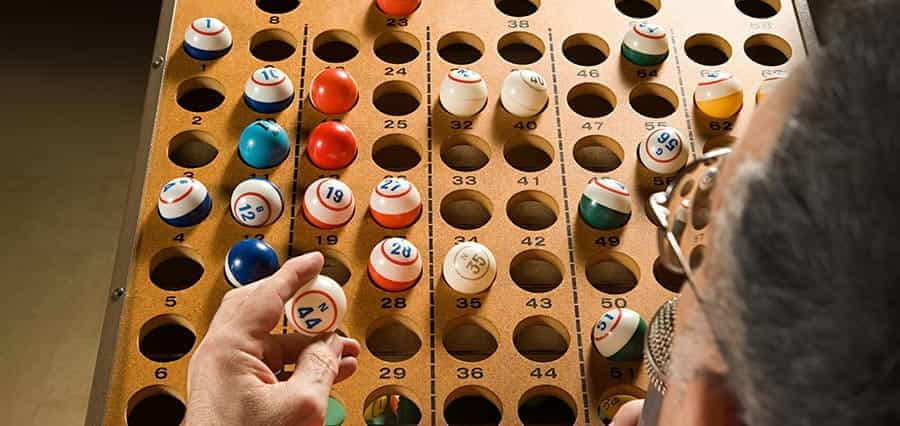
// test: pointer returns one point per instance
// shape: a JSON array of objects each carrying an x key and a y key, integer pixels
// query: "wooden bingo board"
[{"x": 520, "y": 349}]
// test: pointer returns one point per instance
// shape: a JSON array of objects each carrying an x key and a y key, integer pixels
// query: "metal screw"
[
  {"x": 118, "y": 293},
  {"x": 158, "y": 62}
]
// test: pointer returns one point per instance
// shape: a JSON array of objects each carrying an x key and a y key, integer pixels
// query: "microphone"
[{"x": 657, "y": 353}]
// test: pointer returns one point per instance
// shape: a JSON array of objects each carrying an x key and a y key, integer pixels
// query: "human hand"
[
  {"x": 629, "y": 414},
  {"x": 232, "y": 374}
]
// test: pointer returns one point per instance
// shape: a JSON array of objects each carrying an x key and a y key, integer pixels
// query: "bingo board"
[{"x": 516, "y": 178}]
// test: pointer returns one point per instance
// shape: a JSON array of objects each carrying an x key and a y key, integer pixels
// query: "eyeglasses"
[{"x": 683, "y": 211}]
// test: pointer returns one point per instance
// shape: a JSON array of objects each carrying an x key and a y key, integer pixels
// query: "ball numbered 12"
[
  {"x": 318, "y": 307},
  {"x": 256, "y": 202}
]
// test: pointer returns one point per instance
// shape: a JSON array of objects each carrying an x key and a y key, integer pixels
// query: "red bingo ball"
[
  {"x": 333, "y": 91},
  {"x": 331, "y": 145}
]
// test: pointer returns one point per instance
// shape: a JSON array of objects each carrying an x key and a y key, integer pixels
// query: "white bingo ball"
[
  {"x": 395, "y": 203},
  {"x": 207, "y": 39},
  {"x": 524, "y": 93},
  {"x": 395, "y": 264},
  {"x": 328, "y": 203},
  {"x": 184, "y": 202},
  {"x": 268, "y": 90},
  {"x": 619, "y": 335},
  {"x": 470, "y": 268},
  {"x": 318, "y": 307},
  {"x": 664, "y": 151},
  {"x": 463, "y": 92},
  {"x": 256, "y": 202},
  {"x": 645, "y": 44}
]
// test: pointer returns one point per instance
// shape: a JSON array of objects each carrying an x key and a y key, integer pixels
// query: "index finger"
[{"x": 263, "y": 308}]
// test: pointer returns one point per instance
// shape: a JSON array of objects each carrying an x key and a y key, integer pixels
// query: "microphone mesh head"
[{"x": 658, "y": 344}]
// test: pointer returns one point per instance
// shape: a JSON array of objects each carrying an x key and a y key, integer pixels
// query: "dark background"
[{"x": 72, "y": 80}]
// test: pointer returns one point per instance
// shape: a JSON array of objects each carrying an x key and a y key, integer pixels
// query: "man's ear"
[{"x": 708, "y": 401}]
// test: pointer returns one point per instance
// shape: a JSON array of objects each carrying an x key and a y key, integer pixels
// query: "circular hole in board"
[
  {"x": 638, "y": 8},
  {"x": 166, "y": 338},
  {"x": 518, "y": 8},
  {"x": 460, "y": 48},
  {"x": 336, "y": 46},
  {"x": 175, "y": 268},
  {"x": 599, "y": 154},
  {"x": 397, "y": 98},
  {"x": 719, "y": 142},
  {"x": 707, "y": 49},
  {"x": 541, "y": 338},
  {"x": 335, "y": 267},
  {"x": 613, "y": 273},
  {"x": 397, "y": 47},
  {"x": 547, "y": 405},
  {"x": 200, "y": 94},
  {"x": 277, "y": 6},
  {"x": 472, "y": 405},
  {"x": 670, "y": 280},
  {"x": 520, "y": 48},
  {"x": 466, "y": 209},
  {"x": 396, "y": 152},
  {"x": 532, "y": 210},
  {"x": 465, "y": 153},
  {"x": 767, "y": 49},
  {"x": 653, "y": 100},
  {"x": 470, "y": 339},
  {"x": 155, "y": 406},
  {"x": 759, "y": 8},
  {"x": 585, "y": 49},
  {"x": 530, "y": 153},
  {"x": 192, "y": 149},
  {"x": 591, "y": 100},
  {"x": 536, "y": 271},
  {"x": 391, "y": 405},
  {"x": 696, "y": 258},
  {"x": 392, "y": 339},
  {"x": 273, "y": 45}
]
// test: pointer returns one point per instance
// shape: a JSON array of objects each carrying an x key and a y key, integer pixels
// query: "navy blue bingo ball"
[
  {"x": 263, "y": 144},
  {"x": 183, "y": 202},
  {"x": 250, "y": 260},
  {"x": 207, "y": 39}
]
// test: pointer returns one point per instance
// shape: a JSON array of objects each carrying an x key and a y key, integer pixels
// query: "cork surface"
[{"x": 543, "y": 338}]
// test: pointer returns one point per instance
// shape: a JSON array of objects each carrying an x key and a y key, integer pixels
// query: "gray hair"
[{"x": 809, "y": 263}]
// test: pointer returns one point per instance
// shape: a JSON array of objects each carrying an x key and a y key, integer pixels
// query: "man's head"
[{"x": 801, "y": 276}]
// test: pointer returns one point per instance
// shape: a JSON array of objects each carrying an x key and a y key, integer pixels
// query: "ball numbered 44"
[{"x": 318, "y": 307}]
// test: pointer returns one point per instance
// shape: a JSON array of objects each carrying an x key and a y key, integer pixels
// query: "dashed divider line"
[
  {"x": 569, "y": 235},
  {"x": 430, "y": 215},
  {"x": 684, "y": 100},
  {"x": 295, "y": 182}
]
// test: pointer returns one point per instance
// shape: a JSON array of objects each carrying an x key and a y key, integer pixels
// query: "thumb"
[{"x": 629, "y": 414}]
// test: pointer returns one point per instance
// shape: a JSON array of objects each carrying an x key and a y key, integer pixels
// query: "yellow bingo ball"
[{"x": 719, "y": 95}]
